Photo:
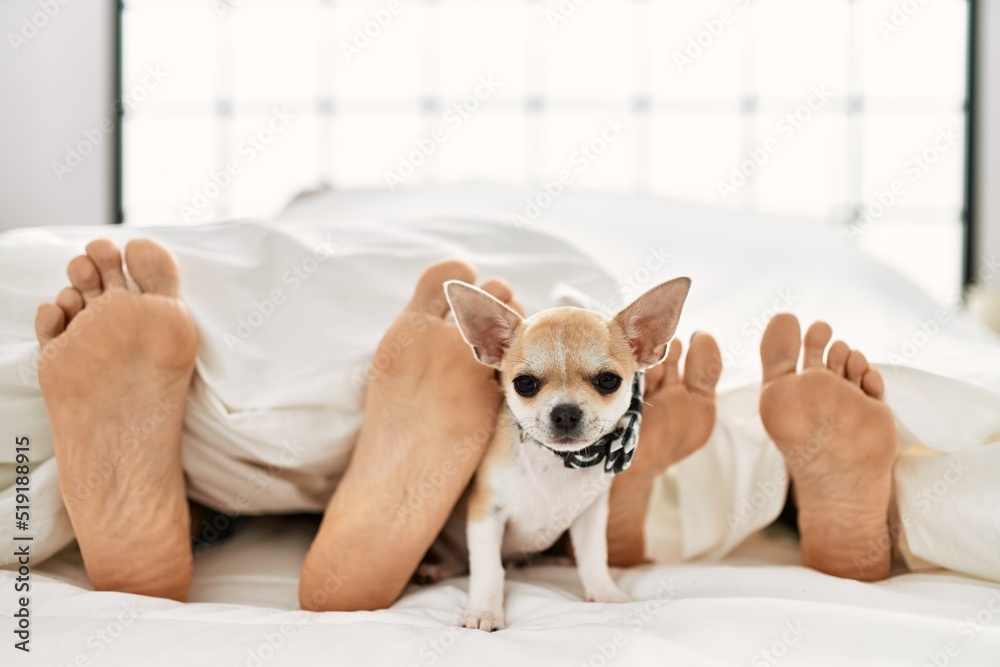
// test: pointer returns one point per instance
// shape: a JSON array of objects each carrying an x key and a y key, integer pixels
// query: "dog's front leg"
[
  {"x": 590, "y": 545},
  {"x": 486, "y": 575}
]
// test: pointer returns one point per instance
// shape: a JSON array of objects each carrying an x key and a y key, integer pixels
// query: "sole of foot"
[
  {"x": 838, "y": 438},
  {"x": 429, "y": 415},
  {"x": 678, "y": 418},
  {"x": 116, "y": 363},
  {"x": 680, "y": 407}
]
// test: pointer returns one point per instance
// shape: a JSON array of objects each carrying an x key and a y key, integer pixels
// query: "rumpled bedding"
[{"x": 290, "y": 312}]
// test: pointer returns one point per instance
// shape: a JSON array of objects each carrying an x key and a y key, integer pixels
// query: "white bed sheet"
[
  {"x": 243, "y": 609},
  {"x": 759, "y": 599}
]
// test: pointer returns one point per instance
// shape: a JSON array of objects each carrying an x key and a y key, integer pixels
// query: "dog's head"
[{"x": 567, "y": 372}]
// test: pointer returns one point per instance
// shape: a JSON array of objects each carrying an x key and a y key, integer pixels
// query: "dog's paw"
[
  {"x": 609, "y": 594},
  {"x": 480, "y": 619}
]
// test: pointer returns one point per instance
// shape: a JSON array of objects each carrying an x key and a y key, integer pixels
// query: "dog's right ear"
[{"x": 486, "y": 323}]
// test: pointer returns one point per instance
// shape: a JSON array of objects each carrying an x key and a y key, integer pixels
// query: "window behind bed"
[{"x": 848, "y": 110}]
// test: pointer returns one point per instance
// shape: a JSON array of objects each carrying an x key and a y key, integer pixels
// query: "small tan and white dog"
[{"x": 567, "y": 376}]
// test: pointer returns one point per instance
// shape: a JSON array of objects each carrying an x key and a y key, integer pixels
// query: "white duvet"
[{"x": 279, "y": 390}]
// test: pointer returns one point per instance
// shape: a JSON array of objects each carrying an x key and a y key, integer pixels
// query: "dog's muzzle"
[{"x": 616, "y": 448}]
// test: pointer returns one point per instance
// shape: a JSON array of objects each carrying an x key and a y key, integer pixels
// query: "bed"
[{"x": 755, "y": 605}]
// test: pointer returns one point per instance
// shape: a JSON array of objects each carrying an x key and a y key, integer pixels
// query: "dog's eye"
[
  {"x": 607, "y": 383},
  {"x": 526, "y": 386}
]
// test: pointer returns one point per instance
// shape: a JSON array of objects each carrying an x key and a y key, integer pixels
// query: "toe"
[
  {"x": 429, "y": 296},
  {"x": 50, "y": 321},
  {"x": 857, "y": 366},
  {"x": 873, "y": 384},
  {"x": 703, "y": 364},
  {"x": 654, "y": 378},
  {"x": 779, "y": 346},
  {"x": 836, "y": 357},
  {"x": 108, "y": 260},
  {"x": 501, "y": 289},
  {"x": 84, "y": 277},
  {"x": 488, "y": 622},
  {"x": 498, "y": 289},
  {"x": 153, "y": 267},
  {"x": 671, "y": 370},
  {"x": 71, "y": 302},
  {"x": 817, "y": 336}
]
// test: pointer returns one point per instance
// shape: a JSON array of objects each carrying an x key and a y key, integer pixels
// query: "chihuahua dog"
[{"x": 572, "y": 385}]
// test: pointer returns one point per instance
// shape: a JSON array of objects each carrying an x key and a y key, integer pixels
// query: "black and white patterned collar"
[{"x": 616, "y": 448}]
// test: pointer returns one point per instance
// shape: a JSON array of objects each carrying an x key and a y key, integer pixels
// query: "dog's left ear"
[
  {"x": 650, "y": 321},
  {"x": 486, "y": 323}
]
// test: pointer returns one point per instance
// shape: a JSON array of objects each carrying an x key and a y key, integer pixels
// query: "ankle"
[
  {"x": 156, "y": 560},
  {"x": 162, "y": 575},
  {"x": 346, "y": 580},
  {"x": 858, "y": 546}
]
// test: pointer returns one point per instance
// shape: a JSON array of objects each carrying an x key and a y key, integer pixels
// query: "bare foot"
[
  {"x": 680, "y": 409},
  {"x": 430, "y": 412},
  {"x": 677, "y": 421},
  {"x": 839, "y": 442},
  {"x": 115, "y": 368}
]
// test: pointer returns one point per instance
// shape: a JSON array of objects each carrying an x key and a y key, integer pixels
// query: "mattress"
[{"x": 755, "y": 606}]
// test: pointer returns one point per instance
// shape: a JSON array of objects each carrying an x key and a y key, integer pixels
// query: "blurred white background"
[
  {"x": 837, "y": 98},
  {"x": 699, "y": 88}
]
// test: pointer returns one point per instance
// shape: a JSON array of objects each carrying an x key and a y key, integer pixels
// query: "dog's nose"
[{"x": 566, "y": 417}]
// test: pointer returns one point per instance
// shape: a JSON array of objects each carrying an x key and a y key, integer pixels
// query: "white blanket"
[
  {"x": 758, "y": 608},
  {"x": 277, "y": 403}
]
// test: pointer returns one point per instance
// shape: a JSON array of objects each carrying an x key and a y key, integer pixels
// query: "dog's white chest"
[{"x": 541, "y": 497}]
